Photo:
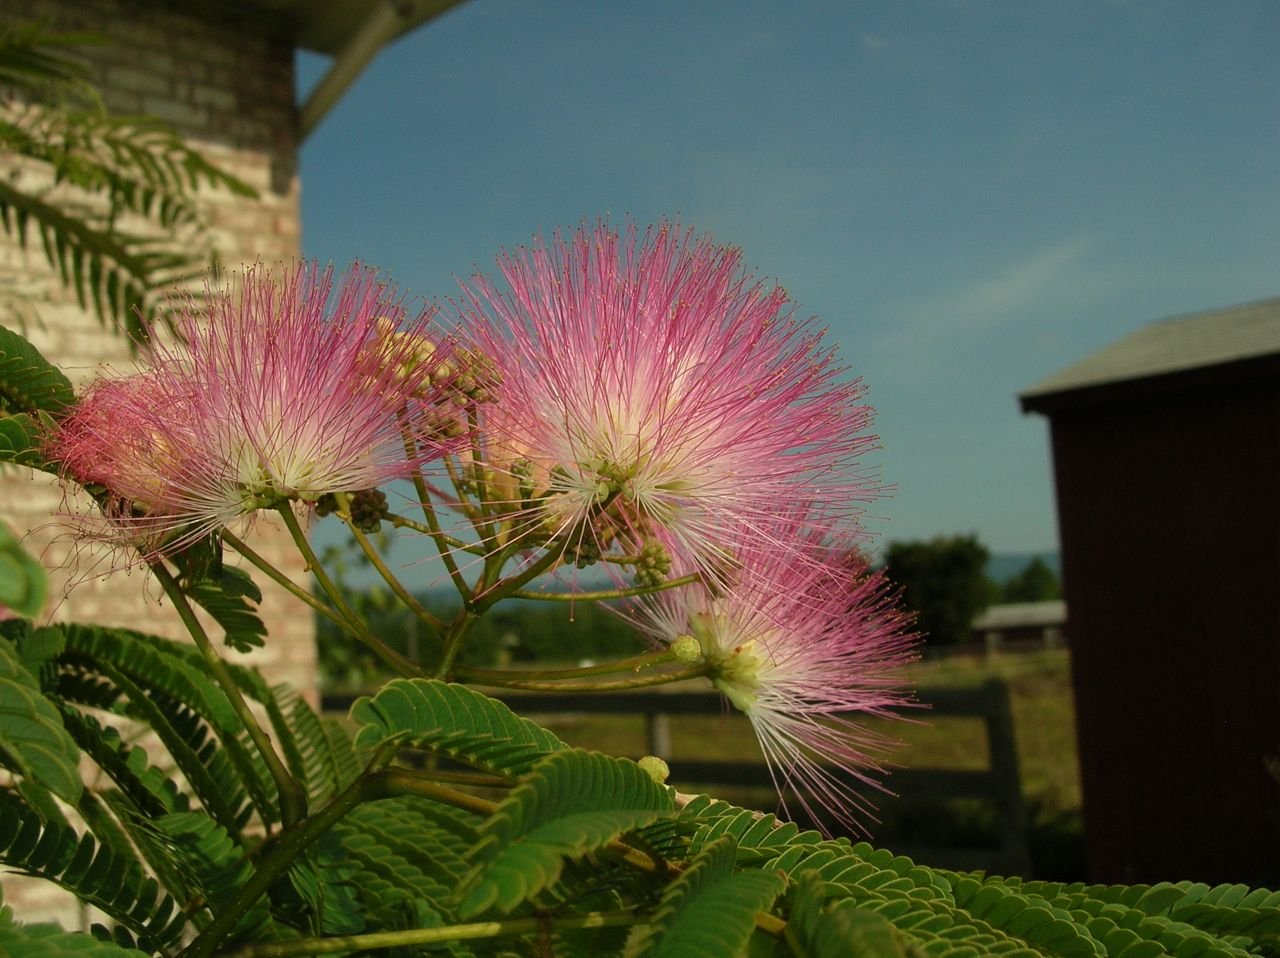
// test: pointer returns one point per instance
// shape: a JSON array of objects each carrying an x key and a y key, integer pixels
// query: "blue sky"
[{"x": 970, "y": 195}]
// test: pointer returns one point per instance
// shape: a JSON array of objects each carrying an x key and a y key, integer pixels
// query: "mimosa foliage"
[{"x": 578, "y": 834}]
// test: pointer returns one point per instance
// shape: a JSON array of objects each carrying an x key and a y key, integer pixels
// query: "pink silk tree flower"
[
  {"x": 657, "y": 393},
  {"x": 801, "y": 646},
  {"x": 286, "y": 390}
]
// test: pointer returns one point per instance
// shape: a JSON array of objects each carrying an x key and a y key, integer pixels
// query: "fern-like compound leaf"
[
  {"x": 816, "y": 930},
  {"x": 29, "y": 383},
  {"x": 709, "y": 911},
  {"x": 453, "y": 721},
  {"x": 231, "y": 598},
  {"x": 572, "y": 803},
  {"x": 33, "y": 741},
  {"x": 95, "y": 873}
]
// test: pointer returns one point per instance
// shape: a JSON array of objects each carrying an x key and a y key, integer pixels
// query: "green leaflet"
[
  {"x": 147, "y": 790},
  {"x": 1132, "y": 920},
  {"x": 408, "y": 866},
  {"x": 815, "y": 931},
  {"x": 324, "y": 879},
  {"x": 93, "y": 872},
  {"x": 451, "y": 720},
  {"x": 215, "y": 865},
  {"x": 1043, "y": 925},
  {"x": 29, "y": 383},
  {"x": 50, "y": 941},
  {"x": 709, "y": 911},
  {"x": 20, "y": 440},
  {"x": 167, "y": 688},
  {"x": 33, "y": 742},
  {"x": 1231, "y": 919},
  {"x": 231, "y": 598},
  {"x": 204, "y": 758},
  {"x": 115, "y": 166},
  {"x": 572, "y": 803},
  {"x": 154, "y": 663},
  {"x": 318, "y": 748},
  {"x": 754, "y": 833}
]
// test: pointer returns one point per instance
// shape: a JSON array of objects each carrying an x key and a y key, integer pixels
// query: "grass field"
[{"x": 1044, "y": 723}]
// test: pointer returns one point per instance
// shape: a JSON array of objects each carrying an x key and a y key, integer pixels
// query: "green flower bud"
[
  {"x": 686, "y": 649},
  {"x": 655, "y": 768}
]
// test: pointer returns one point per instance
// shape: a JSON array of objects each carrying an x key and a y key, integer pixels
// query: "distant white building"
[{"x": 1045, "y": 622}]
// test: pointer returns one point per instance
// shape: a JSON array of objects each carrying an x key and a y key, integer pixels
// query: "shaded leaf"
[
  {"x": 572, "y": 803},
  {"x": 95, "y": 873},
  {"x": 33, "y": 742},
  {"x": 709, "y": 911},
  {"x": 454, "y": 721},
  {"x": 29, "y": 383},
  {"x": 816, "y": 931},
  {"x": 230, "y": 596}
]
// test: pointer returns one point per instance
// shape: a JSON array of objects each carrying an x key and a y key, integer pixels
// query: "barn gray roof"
[
  {"x": 1212, "y": 338},
  {"x": 1013, "y": 615}
]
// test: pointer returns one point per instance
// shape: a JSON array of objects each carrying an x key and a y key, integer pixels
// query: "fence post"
[{"x": 658, "y": 734}]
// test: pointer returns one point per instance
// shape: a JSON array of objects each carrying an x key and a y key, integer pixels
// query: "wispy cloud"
[
  {"x": 872, "y": 41},
  {"x": 985, "y": 302}
]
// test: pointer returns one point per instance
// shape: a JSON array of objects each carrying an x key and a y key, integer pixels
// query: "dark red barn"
[{"x": 1166, "y": 451}]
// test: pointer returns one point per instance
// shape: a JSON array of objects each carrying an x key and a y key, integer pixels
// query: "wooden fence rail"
[{"x": 998, "y": 784}]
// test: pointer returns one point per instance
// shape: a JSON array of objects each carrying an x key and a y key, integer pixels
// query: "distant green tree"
[
  {"x": 943, "y": 580},
  {"x": 1035, "y": 583}
]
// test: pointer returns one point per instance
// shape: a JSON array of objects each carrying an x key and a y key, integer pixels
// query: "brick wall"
[{"x": 227, "y": 85}]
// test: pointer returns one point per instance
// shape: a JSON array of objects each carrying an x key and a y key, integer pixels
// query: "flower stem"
[
  {"x": 486, "y": 599},
  {"x": 293, "y": 799},
  {"x": 398, "y": 662},
  {"x": 606, "y": 594},
  {"x": 635, "y": 663},
  {"x": 513, "y": 680},
  {"x": 404, "y": 522},
  {"x": 426, "y": 936},
  {"x": 389, "y": 577},
  {"x": 457, "y": 631},
  {"x": 278, "y": 577},
  {"x": 433, "y": 521}
]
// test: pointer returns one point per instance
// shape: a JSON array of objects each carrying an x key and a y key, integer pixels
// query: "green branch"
[
  {"x": 514, "y": 680},
  {"x": 293, "y": 798},
  {"x": 441, "y": 541},
  {"x": 279, "y": 578},
  {"x": 389, "y": 577},
  {"x": 605, "y": 595},
  {"x": 400, "y": 663},
  {"x": 635, "y": 663},
  {"x": 428, "y": 936}
]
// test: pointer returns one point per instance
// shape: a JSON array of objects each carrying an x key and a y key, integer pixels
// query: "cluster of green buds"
[
  {"x": 652, "y": 565},
  {"x": 612, "y": 479},
  {"x": 458, "y": 380},
  {"x": 412, "y": 350},
  {"x": 472, "y": 377},
  {"x": 583, "y": 552},
  {"x": 522, "y": 473}
]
